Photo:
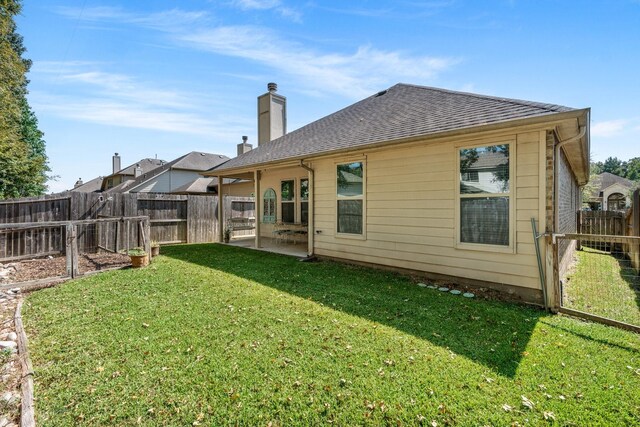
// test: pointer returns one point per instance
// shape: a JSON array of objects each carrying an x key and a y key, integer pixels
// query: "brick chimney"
[
  {"x": 116, "y": 163},
  {"x": 272, "y": 115},
  {"x": 244, "y": 146}
]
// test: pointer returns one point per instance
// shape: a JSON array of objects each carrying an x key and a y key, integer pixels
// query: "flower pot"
[
  {"x": 155, "y": 251},
  {"x": 138, "y": 261}
]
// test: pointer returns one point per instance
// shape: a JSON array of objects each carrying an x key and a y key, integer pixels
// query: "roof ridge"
[{"x": 515, "y": 101}]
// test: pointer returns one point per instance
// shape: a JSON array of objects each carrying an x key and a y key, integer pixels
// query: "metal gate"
[{"x": 599, "y": 278}]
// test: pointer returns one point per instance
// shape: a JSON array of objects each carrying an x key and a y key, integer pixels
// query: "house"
[
  {"x": 184, "y": 176},
  {"x": 427, "y": 180},
  {"x": 610, "y": 192},
  {"x": 121, "y": 178},
  {"x": 92, "y": 186},
  {"x": 179, "y": 176}
]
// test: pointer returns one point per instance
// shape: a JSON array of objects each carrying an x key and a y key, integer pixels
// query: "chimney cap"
[
  {"x": 272, "y": 87},
  {"x": 244, "y": 138}
]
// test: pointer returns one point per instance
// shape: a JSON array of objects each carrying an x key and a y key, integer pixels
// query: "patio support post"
[
  {"x": 220, "y": 210},
  {"x": 310, "y": 225},
  {"x": 257, "y": 204}
]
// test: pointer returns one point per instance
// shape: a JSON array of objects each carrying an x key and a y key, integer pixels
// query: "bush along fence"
[{"x": 172, "y": 219}]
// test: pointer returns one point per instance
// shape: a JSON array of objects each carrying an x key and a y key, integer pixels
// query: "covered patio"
[{"x": 283, "y": 208}]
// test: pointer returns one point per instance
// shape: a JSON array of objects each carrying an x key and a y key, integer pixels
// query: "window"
[
  {"x": 288, "y": 197},
  {"x": 350, "y": 197},
  {"x": 304, "y": 201},
  {"x": 470, "y": 176},
  {"x": 269, "y": 206},
  {"x": 485, "y": 195}
]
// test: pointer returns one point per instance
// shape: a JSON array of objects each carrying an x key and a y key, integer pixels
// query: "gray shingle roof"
[
  {"x": 198, "y": 161},
  {"x": 92, "y": 186},
  {"x": 402, "y": 111},
  {"x": 606, "y": 179},
  {"x": 145, "y": 164}
]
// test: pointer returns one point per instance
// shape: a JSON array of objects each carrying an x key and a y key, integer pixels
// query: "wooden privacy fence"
[
  {"x": 173, "y": 219},
  {"x": 138, "y": 234},
  {"x": 610, "y": 223}
]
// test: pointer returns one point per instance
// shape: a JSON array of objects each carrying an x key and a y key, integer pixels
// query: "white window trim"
[
  {"x": 363, "y": 197},
  {"x": 512, "y": 142},
  {"x": 294, "y": 201}
]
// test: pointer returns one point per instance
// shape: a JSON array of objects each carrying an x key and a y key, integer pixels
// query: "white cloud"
[
  {"x": 355, "y": 75},
  {"x": 120, "y": 100},
  {"x": 165, "y": 21},
  {"x": 276, "y": 5},
  {"x": 609, "y": 128}
]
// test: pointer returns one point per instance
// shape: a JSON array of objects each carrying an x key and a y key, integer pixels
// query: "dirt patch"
[{"x": 44, "y": 268}]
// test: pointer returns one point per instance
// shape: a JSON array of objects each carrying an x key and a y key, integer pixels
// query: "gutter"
[{"x": 311, "y": 223}]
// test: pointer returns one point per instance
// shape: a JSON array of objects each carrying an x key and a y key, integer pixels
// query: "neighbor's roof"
[
  {"x": 606, "y": 179},
  {"x": 198, "y": 161},
  {"x": 145, "y": 164},
  {"x": 92, "y": 186},
  {"x": 202, "y": 184},
  {"x": 402, "y": 111},
  {"x": 199, "y": 185},
  {"x": 193, "y": 161}
]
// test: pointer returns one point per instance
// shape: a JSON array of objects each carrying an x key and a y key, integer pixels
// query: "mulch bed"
[{"x": 44, "y": 268}]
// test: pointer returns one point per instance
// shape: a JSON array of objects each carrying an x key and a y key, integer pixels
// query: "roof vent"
[
  {"x": 382, "y": 92},
  {"x": 202, "y": 154},
  {"x": 272, "y": 87}
]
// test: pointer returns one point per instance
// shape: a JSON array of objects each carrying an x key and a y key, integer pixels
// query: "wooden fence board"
[{"x": 174, "y": 218}]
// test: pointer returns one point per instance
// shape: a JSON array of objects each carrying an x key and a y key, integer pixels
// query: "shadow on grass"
[
  {"x": 492, "y": 333},
  {"x": 629, "y": 275}
]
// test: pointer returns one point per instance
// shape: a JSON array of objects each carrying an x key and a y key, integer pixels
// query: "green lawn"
[
  {"x": 216, "y": 335},
  {"x": 605, "y": 285}
]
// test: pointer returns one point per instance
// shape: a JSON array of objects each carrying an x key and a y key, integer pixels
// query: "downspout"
[{"x": 310, "y": 225}]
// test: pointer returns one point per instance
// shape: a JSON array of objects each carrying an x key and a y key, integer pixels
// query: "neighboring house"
[
  {"x": 391, "y": 180},
  {"x": 120, "y": 179},
  {"x": 93, "y": 186},
  {"x": 179, "y": 175},
  {"x": 611, "y": 192}
]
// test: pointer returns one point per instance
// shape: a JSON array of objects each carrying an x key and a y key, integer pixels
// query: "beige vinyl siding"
[{"x": 410, "y": 210}]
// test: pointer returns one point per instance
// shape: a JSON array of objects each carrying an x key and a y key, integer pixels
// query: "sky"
[{"x": 149, "y": 78}]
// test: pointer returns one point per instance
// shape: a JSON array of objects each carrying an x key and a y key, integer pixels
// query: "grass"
[
  {"x": 605, "y": 285},
  {"x": 216, "y": 335}
]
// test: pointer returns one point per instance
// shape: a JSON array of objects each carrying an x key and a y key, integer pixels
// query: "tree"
[
  {"x": 615, "y": 166},
  {"x": 23, "y": 160},
  {"x": 633, "y": 169}
]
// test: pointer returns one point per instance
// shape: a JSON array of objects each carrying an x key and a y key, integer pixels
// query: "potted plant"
[
  {"x": 228, "y": 229},
  {"x": 155, "y": 248},
  {"x": 139, "y": 258}
]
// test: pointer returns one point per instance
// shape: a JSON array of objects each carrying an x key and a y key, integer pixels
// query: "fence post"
[
  {"x": 147, "y": 236},
  {"x": 71, "y": 250}
]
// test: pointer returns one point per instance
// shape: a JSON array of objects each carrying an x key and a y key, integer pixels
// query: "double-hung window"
[
  {"x": 350, "y": 198},
  {"x": 485, "y": 196},
  {"x": 288, "y": 201}
]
